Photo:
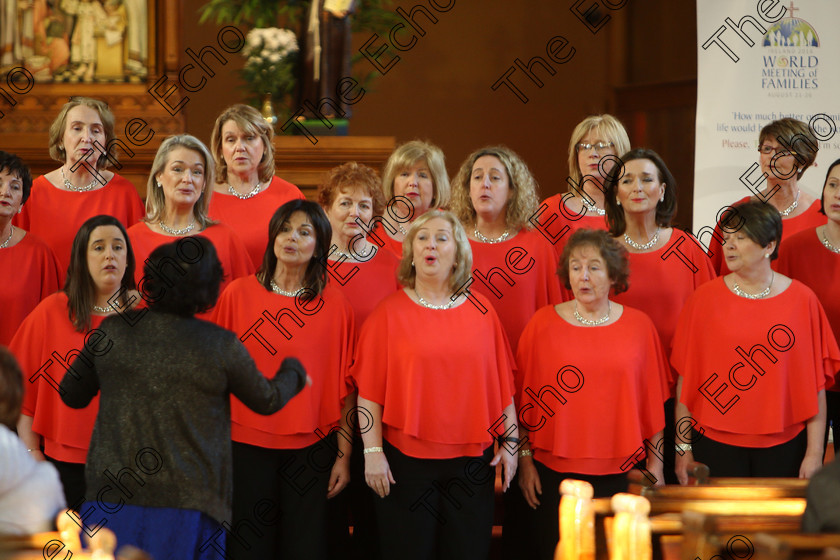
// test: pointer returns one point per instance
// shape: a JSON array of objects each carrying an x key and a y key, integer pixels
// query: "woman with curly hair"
[{"x": 494, "y": 194}]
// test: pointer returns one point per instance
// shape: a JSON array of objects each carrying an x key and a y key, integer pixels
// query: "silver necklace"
[
  {"x": 824, "y": 240},
  {"x": 254, "y": 192},
  {"x": 425, "y": 303},
  {"x": 11, "y": 233},
  {"x": 278, "y": 290},
  {"x": 485, "y": 239},
  {"x": 762, "y": 294},
  {"x": 645, "y": 246},
  {"x": 593, "y": 208},
  {"x": 172, "y": 231},
  {"x": 70, "y": 187},
  {"x": 592, "y": 322},
  {"x": 106, "y": 309},
  {"x": 786, "y": 212}
]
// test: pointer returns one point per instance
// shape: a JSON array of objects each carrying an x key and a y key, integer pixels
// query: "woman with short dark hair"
[
  {"x": 787, "y": 148},
  {"x": 28, "y": 268},
  {"x": 81, "y": 139},
  {"x": 159, "y": 467},
  {"x": 288, "y": 308},
  {"x": 754, "y": 353},
  {"x": 606, "y": 407},
  {"x": 99, "y": 283}
]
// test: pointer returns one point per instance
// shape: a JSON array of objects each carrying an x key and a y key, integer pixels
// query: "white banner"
[{"x": 758, "y": 61}]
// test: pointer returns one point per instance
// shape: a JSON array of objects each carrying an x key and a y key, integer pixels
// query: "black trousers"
[
  {"x": 832, "y": 401},
  {"x": 279, "y": 502},
  {"x": 781, "y": 460},
  {"x": 72, "y": 477},
  {"x": 439, "y": 509},
  {"x": 543, "y": 522}
]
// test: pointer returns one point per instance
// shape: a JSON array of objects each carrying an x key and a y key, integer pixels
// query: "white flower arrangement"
[{"x": 271, "y": 56}]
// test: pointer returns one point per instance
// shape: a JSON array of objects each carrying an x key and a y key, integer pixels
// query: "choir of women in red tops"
[
  {"x": 414, "y": 181},
  {"x": 28, "y": 268},
  {"x": 494, "y": 195},
  {"x": 101, "y": 265},
  {"x": 754, "y": 352},
  {"x": 812, "y": 256},
  {"x": 246, "y": 192},
  {"x": 82, "y": 187},
  {"x": 177, "y": 197},
  {"x": 289, "y": 309},
  {"x": 604, "y": 405},
  {"x": 435, "y": 374},
  {"x": 787, "y": 148},
  {"x": 593, "y": 149}
]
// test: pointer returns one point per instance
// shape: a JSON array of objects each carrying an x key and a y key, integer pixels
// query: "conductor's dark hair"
[
  {"x": 13, "y": 165},
  {"x": 184, "y": 277}
]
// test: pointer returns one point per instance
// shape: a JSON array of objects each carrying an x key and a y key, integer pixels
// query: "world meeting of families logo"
[{"x": 791, "y": 63}]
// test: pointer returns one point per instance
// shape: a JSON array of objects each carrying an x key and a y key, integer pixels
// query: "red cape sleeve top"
[
  {"x": 811, "y": 218},
  {"x": 45, "y": 345},
  {"x": 661, "y": 281},
  {"x": 55, "y": 215},
  {"x": 805, "y": 258},
  {"x": 752, "y": 369},
  {"x": 443, "y": 377},
  {"x": 272, "y": 327},
  {"x": 365, "y": 284},
  {"x": 557, "y": 223},
  {"x": 28, "y": 274},
  {"x": 249, "y": 218},
  {"x": 523, "y": 274},
  {"x": 229, "y": 248},
  {"x": 587, "y": 410}
]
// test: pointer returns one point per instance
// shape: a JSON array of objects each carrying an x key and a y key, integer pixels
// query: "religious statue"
[{"x": 326, "y": 53}]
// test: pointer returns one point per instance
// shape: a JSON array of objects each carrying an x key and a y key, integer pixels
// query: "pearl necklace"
[
  {"x": 786, "y": 212},
  {"x": 645, "y": 246},
  {"x": 278, "y": 290},
  {"x": 824, "y": 240},
  {"x": 71, "y": 187},
  {"x": 485, "y": 239},
  {"x": 425, "y": 303},
  {"x": 254, "y": 192},
  {"x": 8, "y": 239},
  {"x": 106, "y": 309},
  {"x": 762, "y": 294},
  {"x": 593, "y": 208},
  {"x": 593, "y": 322},
  {"x": 182, "y": 231}
]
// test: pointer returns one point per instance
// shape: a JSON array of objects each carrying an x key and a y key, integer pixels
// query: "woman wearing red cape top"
[
  {"x": 82, "y": 187},
  {"x": 606, "y": 407},
  {"x": 434, "y": 373},
  {"x": 28, "y": 268},
  {"x": 812, "y": 256},
  {"x": 594, "y": 147},
  {"x": 787, "y": 148},
  {"x": 246, "y": 192},
  {"x": 178, "y": 193},
  {"x": 754, "y": 352},
  {"x": 101, "y": 266},
  {"x": 292, "y": 458}
]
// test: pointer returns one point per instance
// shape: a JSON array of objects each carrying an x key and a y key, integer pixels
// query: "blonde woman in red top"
[
  {"x": 246, "y": 192},
  {"x": 434, "y": 373},
  {"x": 81, "y": 139}
]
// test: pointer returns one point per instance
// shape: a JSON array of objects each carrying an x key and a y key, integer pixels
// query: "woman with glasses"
[
  {"x": 593, "y": 152},
  {"x": 786, "y": 148}
]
